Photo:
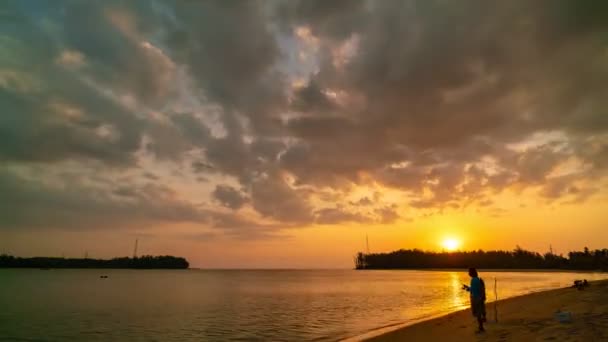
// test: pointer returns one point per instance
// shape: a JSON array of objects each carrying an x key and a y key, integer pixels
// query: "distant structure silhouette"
[{"x": 135, "y": 249}]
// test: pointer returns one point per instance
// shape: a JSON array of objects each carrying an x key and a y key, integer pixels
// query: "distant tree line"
[
  {"x": 143, "y": 262},
  {"x": 516, "y": 259}
]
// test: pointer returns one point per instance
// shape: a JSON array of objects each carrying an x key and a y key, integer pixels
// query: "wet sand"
[{"x": 525, "y": 318}]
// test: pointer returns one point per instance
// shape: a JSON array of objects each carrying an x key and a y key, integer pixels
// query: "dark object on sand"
[
  {"x": 563, "y": 316},
  {"x": 580, "y": 284},
  {"x": 103, "y": 276}
]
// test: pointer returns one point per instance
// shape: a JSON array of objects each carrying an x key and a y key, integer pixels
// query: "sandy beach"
[{"x": 526, "y": 318}]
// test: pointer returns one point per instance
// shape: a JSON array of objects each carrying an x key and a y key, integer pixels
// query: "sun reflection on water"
[{"x": 457, "y": 294}]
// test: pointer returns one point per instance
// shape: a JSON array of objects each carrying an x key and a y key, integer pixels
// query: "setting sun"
[{"x": 450, "y": 244}]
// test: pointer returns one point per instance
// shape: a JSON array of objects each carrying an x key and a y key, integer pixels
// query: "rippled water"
[{"x": 243, "y": 305}]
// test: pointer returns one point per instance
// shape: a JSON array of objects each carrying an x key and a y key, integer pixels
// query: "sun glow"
[{"x": 450, "y": 244}]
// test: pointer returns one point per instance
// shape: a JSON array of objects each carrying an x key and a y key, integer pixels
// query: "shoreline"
[
  {"x": 520, "y": 318},
  {"x": 519, "y": 270}
]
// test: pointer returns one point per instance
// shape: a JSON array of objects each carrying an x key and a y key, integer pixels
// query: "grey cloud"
[
  {"x": 109, "y": 35},
  {"x": 267, "y": 149},
  {"x": 387, "y": 214},
  {"x": 408, "y": 178},
  {"x": 229, "y": 197},
  {"x": 332, "y": 19},
  {"x": 273, "y": 198},
  {"x": 192, "y": 128},
  {"x": 151, "y": 176},
  {"x": 311, "y": 98},
  {"x": 36, "y": 129},
  {"x": 339, "y": 215},
  {"x": 568, "y": 188},
  {"x": 535, "y": 164},
  {"x": 200, "y": 166},
  {"x": 233, "y": 64},
  {"x": 74, "y": 205},
  {"x": 57, "y": 114},
  {"x": 432, "y": 91},
  {"x": 438, "y": 79},
  {"x": 84, "y": 203}
]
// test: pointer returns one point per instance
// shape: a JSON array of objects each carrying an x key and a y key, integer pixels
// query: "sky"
[{"x": 281, "y": 134}]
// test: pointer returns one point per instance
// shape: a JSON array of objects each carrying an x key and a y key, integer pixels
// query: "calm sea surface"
[{"x": 243, "y": 305}]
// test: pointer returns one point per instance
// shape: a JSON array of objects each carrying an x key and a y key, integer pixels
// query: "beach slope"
[{"x": 526, "y": 318}]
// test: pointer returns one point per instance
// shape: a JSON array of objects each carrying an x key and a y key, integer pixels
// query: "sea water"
[{"x": 238, "y": 305}]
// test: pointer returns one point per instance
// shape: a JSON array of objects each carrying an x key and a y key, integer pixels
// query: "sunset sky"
[{"x": 281, "y": 133}]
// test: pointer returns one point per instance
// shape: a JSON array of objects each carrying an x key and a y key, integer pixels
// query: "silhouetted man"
[{"x": 477, "y": 291}]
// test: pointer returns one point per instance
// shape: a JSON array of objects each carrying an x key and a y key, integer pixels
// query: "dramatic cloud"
[
  {"x": 248, "y": 117},
  {"x": 229, "y": 197},
  {"x": 76, "y": 204}
]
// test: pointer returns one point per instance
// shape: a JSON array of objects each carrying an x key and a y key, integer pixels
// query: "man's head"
[{"x": 472, "y": 272}]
